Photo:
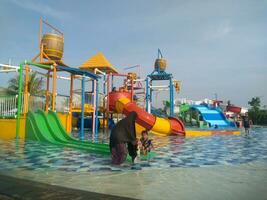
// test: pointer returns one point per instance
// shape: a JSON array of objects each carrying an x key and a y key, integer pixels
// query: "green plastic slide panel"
[{"x": 41, "y": 128}]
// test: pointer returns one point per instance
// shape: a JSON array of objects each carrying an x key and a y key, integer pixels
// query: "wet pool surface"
[{"x": 171, "y": 152}]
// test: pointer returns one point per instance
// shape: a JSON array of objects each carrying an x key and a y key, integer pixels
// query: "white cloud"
[
  {"x": 220, "y": 31},
  {"x": 41, "y": 8}
]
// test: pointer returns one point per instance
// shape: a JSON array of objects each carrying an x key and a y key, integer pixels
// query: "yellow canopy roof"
[{"x": 98, "y": 61}]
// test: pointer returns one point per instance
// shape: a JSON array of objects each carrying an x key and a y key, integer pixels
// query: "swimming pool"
[{"x": 180, "y": 162}]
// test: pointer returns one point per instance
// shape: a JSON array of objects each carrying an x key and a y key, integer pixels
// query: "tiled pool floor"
[{"x": 172, "y": 152}]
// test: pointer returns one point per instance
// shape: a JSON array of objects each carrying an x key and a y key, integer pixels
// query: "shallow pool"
[
  {"x": 171, "y": 152},
  {"x": 233, "y": 162}
]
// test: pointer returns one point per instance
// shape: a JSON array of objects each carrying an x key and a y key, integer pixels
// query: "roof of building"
[{"x": 100, "y": 62}]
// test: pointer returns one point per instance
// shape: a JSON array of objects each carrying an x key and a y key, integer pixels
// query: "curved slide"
[
  {"x": 213, "y": 116},
  {"x": 48, "y": 128},
  {"x": 120, "y": 101}
]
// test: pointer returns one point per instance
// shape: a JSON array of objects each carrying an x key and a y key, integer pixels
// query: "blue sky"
[{"x": 211, "y": 46}]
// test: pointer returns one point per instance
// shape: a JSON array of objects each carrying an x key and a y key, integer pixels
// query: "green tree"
[
  {"x": 255, "y": 112},
  {"x": 35, "y": 84},
  {"x": 255, "y": 103}
]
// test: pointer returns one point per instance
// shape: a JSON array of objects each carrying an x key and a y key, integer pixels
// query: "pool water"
[
  {"x": 179, "y": 162},
  {"x": 171, "y": 152}
]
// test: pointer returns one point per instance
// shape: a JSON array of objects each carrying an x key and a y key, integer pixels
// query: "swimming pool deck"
[
  {"x": 17, "y": 188},
  {"x": 244, "y": 182}
]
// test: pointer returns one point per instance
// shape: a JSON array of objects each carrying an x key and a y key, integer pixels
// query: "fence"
[{"x": 8, "y": 104}]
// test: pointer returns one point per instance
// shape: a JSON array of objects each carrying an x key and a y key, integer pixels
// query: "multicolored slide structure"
[
  {"x": 46, "y": 127},
  {"x": 121, "y": 103},
  {"x": 213, "y": 116}
]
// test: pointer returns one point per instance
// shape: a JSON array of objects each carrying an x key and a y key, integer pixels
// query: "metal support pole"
[
  {"x": 171, "y": 99},
  {"x": 105, "y": 84},
  {"x": 82, "y": 110},
  {"x": 19, "y": 100},
  {"x": 54, "y": 88},
  {"x": 112, "y": 81},
  {"x": 40, "y": 39},
  {"x": 47, "y": 91},
  {"x": 150, "y": 96},
  {"x": 104, "y": 100},
  {"x": 26, "y": 96},
  {"x": 70, "y": 102},
  {"x": 94, "y": 106},
  {"x": 96, "y": 109},
  {"x": 147, "y": 94},
  {"x": 132, "y": 89},
  {"x": 107, "y": 110}
]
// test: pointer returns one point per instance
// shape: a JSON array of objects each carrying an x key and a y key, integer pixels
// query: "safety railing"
[{"x": 8, "y": 106}]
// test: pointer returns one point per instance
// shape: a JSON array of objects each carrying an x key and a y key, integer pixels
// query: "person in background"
[
  {"x": 247, "y": 123},
  {"x": 114, "y": 89},
  {"x": 123, "y": 136}
]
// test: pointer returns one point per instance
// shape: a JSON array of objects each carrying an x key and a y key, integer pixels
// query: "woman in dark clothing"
[{"x": 121, "y": 135}]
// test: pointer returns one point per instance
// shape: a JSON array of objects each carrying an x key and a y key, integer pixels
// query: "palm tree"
[{"x": 35, "y": 85}]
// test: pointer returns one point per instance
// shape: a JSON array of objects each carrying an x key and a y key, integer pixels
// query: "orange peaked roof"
[{"x": 98, "y": 61}]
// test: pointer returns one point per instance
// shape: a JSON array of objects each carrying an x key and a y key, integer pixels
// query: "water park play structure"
[
  {"x": 209, "y": 113},
  {"x": 205, "y": 116},
  {"x": 214, "y": 117},
  {"x": 50, "y": 117}
]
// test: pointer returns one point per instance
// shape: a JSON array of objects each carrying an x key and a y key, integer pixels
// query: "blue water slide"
[{"x": 213, "y": 116}]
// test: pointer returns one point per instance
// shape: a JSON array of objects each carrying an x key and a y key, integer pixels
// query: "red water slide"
[{"x": 120, "y": 102}]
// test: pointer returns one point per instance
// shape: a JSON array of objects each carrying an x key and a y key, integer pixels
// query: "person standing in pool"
[
  {"x": 247, "y": 123},
  {"x": 123, "y": 137}
]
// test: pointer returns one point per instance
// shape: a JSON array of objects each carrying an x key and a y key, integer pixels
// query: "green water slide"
[
  {"x": 60, "y": 132},
  {"x": 48, "y": 128},
  {"x": 184, "y": 108}
]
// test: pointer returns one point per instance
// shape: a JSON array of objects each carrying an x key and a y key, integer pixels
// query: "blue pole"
[
  {"x": 96, "y": 109},
  {"x": 82, "y": 113},
  {"x": 93, "y": 85},
  {"x": 104, "y": 85},
  {"x": 150, "y": 96},
  {"x": 147, "y": 96},
  {"x": 112, "y": 79},
  {"x": 171, "y": 99}
]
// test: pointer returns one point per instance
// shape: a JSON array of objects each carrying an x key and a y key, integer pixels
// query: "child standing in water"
[{"x": 146, "y": 143}]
